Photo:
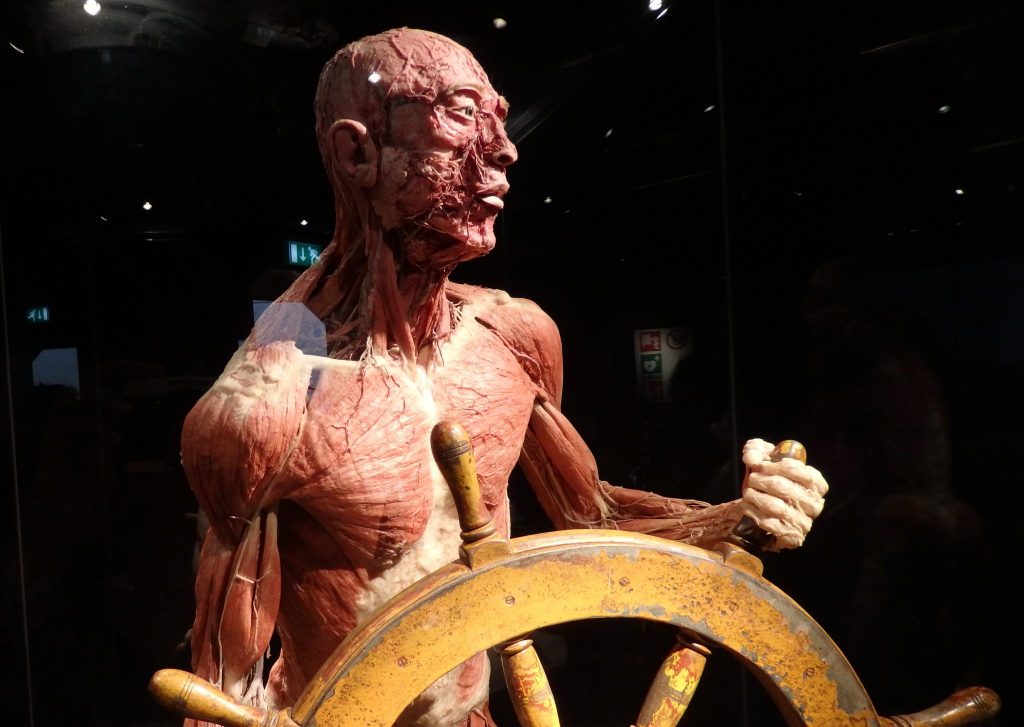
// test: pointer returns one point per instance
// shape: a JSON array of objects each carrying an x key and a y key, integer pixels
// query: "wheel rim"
[{"x": 442, "y": 621}]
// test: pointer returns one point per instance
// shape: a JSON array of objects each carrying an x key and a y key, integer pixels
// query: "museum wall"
[{"x": 819, "y": 210}]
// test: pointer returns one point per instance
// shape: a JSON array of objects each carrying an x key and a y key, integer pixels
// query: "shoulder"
[{"x": 522, "y": 325}]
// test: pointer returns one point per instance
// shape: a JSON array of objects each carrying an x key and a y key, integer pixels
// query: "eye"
[{"x": 468, "y": 111}]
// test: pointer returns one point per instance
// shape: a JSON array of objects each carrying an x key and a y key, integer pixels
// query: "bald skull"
[{"x": 412, "y": 135}]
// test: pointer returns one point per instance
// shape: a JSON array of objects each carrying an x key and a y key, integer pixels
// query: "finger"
[
  {"x": 794, "y": 494},
  {"x": 785, "y": 539},
  {"x": 756, "y": 451},
  {"x": 818, "y": 481},
  {"x": 795, "y": 470},
  {"x": 763, "y": 506},
  {"x": 784, "y": 534}
]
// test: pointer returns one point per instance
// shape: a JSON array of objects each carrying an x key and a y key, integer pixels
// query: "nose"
[{"x": 505, "y": 154}]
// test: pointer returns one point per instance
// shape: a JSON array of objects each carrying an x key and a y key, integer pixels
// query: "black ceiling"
[{"x": 853, "y": 125}]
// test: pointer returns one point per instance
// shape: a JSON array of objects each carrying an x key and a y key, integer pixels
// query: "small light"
[
  {"x": 658, "y": 16},
  {"x": 547, "y": 200},
  {"x": 15, "y": 47},
  {"x": 104, "y": 218},
  {"x": 709, "y": 109},
  {"x": 944, "y": 109},
  {"x": 608, "y": 133},
  {"x": 654, "y": 5},
  {"x": 373, "y": 77},
  {"x": 499, "y": 23},
  {"x": 304, "y": 222},
  {"x": 798, "y": 194},
  {"x": 92, "y": 7},
  {"x": 959, "y": 191},
  {"x": 147, "y": 206}
]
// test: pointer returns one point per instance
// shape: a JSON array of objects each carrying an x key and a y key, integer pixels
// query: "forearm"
[
  {"x": 687, "y": 521},
  {"x": 564, "y": 476}
]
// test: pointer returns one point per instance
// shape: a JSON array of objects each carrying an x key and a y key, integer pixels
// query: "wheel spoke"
[
  {"x": 527, "y": 684},
  {"x": 673, "y": 686}
]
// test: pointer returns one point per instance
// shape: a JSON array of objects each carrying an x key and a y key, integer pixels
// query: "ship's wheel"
[{"x": 501, "y": 591}]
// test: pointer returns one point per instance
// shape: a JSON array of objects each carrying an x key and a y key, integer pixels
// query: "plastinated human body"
[{"x": 315, "y": 471}]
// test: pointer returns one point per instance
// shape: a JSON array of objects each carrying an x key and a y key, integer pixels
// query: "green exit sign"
[
  {"x": 39, "y": 314},
  {"x": 303, "y": 253}
]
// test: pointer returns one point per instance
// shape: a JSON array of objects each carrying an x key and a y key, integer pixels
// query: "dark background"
[{"x": 778, "y": 179}]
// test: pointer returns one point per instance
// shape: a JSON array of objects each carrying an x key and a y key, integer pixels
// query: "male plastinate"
[{"x": 315, "y": 471}]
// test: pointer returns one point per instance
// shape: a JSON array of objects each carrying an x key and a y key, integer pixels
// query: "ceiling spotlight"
[
  {"x": 147, "y": 206},
  {"x": 959, "y": 191},
  {"x": 709, "y": 109},
  {"x": 304, "y": 222},
  {"x": 608, "y": 133},
  {"x": 373, "y": 77},
  {"x": 500, "y": 23},
  {"x": 547, "y": 200},
  {"x": 654, "y": 4},
  {"x": 944, "y": 109},
  {"x": 92, "y": 7}
]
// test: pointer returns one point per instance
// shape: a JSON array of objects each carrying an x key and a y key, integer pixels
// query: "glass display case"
[{"x": 746, "y": 222}]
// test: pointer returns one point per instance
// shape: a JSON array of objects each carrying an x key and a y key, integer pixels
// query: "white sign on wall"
[{"x": 658, "y": 351}]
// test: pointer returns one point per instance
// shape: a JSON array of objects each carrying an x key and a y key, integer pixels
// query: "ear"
[{"x": 353, "y": 153}]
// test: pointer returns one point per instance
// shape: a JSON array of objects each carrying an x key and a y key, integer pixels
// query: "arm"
[
  {"x": 783, "y": 498},
  {"x": 563, "y": 474},
  {"x": 234, "y": 442}
]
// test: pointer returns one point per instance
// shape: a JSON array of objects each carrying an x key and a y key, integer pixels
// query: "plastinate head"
[{"x": 409, "y": 120}]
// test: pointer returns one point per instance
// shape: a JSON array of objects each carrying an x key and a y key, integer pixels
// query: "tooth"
[{"x": 493, "y": 201}]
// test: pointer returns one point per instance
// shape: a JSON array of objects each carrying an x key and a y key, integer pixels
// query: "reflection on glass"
[
  {"x": 290, "y": 322},
  {"x": 56, "y": 367}
]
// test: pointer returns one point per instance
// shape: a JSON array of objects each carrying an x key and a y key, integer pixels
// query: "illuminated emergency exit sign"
[
  {"x": 303, "y": 254},
  {"x": 39, "y": 314}
]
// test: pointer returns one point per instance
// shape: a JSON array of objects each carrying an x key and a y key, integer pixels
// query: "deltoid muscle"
[{"x": 310, "y": 455}]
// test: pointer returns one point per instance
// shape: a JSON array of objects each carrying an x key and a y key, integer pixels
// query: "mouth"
[
  {"x": 492, "y": 201},
  {"x": 473, "y": 226},
  {"x": 470, "y": 219}
]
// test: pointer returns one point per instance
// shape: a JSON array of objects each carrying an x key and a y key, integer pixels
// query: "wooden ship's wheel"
[{"x": 500, "y": 591}]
